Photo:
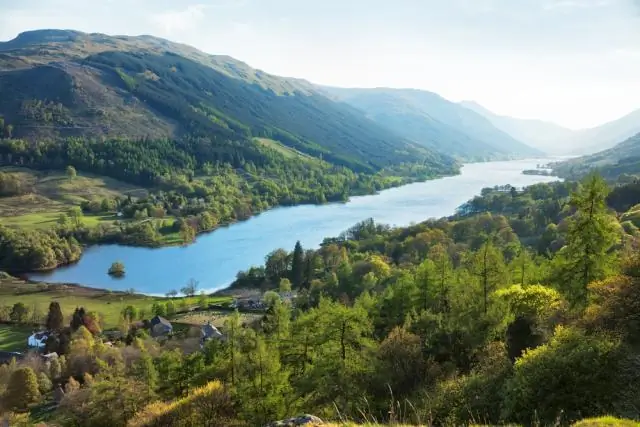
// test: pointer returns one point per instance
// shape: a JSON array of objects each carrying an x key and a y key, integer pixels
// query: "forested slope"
[
  {"x": 56, "y": 84},
  {"x": 621, "y": 162}
]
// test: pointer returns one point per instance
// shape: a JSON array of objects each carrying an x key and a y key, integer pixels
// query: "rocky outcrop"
[{"x": 302, "y": 420}]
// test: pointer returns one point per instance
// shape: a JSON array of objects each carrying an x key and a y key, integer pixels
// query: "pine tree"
[
  {"x": 22, "y": 390},
  {"x": 77, "y": 319},
  {"x": 55, "y": 318},
  {"x": 590, "y": 236},
  {"x": 297, "y": 266}
]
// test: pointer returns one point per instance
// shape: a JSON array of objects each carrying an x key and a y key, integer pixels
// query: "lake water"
[{"x": 215, "y": 258}]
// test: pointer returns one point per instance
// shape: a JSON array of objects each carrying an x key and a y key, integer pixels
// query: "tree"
[
  {"x": 44, "y": 383},
  {"x": 116, "y": 269},
  {"x": 263, "y": 386},
  {"x": 78, "y": 318},
  {"x": 130, "y": 313},
  {"x": 8, "y": 130},
  {"x": 19, "y": 313},
  {"x": 573, "y": 376},
  {"x": 276, "y": 265},
  {"x": 190, "y": 288},
  {"x": 487, "y": 265},
  {"x": 71, "y": 172},
  {"x": 75, "y": 213},
  {"x": 590, "y": 236},
  {"x": 172, "y": 293},
  {"x": 159, "y": 309},
  {"x": 55, "y": 318},
  {"x": 285, "y": 285},
  {"x": 64, "y": 220},
  {"x": 22, "y": 390},
  {"x": 297, "y": 266},
  {"x": 187, "y": 233}
]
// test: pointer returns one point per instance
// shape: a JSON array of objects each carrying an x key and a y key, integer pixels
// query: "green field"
[
  {"x": 52, "y": 193},
  {"x": 109, "y": 305},
  {"x": 14, "y": 338}
]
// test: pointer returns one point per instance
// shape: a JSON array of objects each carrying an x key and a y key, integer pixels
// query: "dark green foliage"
[
  {"x": 207, "y": 103},
  {"x": 55, "y": 318},
  {"x": 22, "y": 250},
  {"x": 19, "y": 313},
  {"x": 297, "y": 265}
]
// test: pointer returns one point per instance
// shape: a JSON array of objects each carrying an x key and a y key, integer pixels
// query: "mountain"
[
  {"x": 606, "y": 136},
  {"x": 536, "y": 133},
  {"x": 555, "y": 139},
  {"x": 623, "y": 159},
  {"x": 60, "y": 83},
  {"x": 434, "y": 122}
]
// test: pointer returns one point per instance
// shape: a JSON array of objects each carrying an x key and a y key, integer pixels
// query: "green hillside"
[
  {"x": 620, "y": 162},
  {"x": 58, "y": 84},
  {"x": 434, "y": 122}
]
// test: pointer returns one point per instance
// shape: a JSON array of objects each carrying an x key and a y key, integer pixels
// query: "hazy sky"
[{"x": 575, "y": 62}]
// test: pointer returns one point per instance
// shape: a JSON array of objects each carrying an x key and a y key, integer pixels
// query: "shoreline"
[{"x": 211, "y": 282}]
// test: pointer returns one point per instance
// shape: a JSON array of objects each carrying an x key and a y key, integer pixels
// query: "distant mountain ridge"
[
  {"x": 434, "y": 122},
  {"x": 557, "y": 140},
  {"x": 536, "y": 133}
]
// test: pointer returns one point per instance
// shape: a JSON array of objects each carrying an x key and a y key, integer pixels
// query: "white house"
[{"x": 38, "y": 339}]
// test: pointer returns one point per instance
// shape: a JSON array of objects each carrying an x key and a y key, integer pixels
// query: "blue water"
[{"x": 215, "y": 258}]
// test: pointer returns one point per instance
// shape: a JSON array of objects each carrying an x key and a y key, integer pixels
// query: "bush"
[{"x": 572, "y": 376}]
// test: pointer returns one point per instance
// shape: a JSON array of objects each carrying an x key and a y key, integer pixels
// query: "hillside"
[
  {"x": 536, "y": 133},
  {"x": 432, "y": 121},
  {"x": 557, "y": 140},
  {"x": 623, "y": 159},
  {"x": 59, "y": 84},
  {"x": 607, "y": 135}
]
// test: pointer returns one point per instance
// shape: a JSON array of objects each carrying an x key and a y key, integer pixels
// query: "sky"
[{"x": 573, "y": 62}]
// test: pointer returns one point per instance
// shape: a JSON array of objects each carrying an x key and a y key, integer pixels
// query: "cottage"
[
  {"x": 38, "y": 339},
  {"x": 160, "y": 327},
  {"x": 209, "y": 332}
]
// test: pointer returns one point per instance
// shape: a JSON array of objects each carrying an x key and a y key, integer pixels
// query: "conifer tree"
[{"x": 22, "y": 390}]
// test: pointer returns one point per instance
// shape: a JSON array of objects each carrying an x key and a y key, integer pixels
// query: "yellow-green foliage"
[
  {"x": 533, "y": 300},
  {"x": 606, "y": 422},
  {"x": 207, "y": 405},
  {"x": 562, "y": 378}
]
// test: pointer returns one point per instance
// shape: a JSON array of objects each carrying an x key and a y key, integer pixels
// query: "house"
[
  {"x": 38, "y": 339},
  {"x": 209, "y": 332},
  {"x": 160, "y": 327}
]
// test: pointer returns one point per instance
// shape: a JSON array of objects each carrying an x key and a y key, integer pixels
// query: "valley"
[{"x": 187, "y": 240}]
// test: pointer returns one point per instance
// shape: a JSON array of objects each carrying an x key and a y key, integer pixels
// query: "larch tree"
[{"x": 590, "y": 236}]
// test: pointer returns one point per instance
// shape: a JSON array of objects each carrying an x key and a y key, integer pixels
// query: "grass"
[
  {"x": 109, "y": 305},
  {"x": 14, "y": 337},
  {"x": 606, "y": 422},
  {"x": 53, "y": 193},
  {"x": 287, "y": 152}
]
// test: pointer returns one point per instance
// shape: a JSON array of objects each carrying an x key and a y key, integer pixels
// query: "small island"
[{"x": 116, "y": 269}]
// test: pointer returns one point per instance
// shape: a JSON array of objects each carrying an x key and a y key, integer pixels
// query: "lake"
[{"x": 215, "y": 258}]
